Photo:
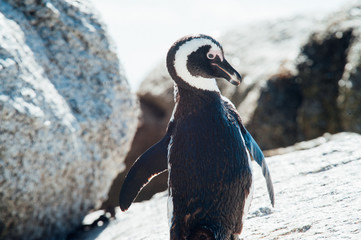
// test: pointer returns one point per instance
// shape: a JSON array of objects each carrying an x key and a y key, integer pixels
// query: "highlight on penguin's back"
[{"x": 206, "y": 149}]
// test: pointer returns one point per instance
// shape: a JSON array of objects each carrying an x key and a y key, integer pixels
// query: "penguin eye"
[{"x": 210, "y": 56}]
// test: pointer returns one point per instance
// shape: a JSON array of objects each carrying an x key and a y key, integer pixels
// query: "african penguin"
[{"x": 206, "y": 149}]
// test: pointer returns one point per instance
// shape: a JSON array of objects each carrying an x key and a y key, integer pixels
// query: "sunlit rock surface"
[{"x": 67, "y": 116}]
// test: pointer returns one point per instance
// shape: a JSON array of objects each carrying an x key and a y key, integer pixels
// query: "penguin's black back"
[{"x": 209, "y": 172}]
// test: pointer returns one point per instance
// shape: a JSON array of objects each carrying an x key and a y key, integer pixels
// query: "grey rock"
[
  {"x": 350, "y": 84},
  {"x": 329, "y": 72},
  {"x": 317, "y": 197},
  {"x": 321, "y": 65},
  {"x": 304, "y": 145},
  {"x": 67, "y": 116}
]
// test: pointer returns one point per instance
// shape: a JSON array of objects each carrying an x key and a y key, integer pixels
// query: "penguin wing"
[
  {"x": 151, "y": 163},
  {"x": 258, "y": 156},
  {"x": 252, "y": 146}
]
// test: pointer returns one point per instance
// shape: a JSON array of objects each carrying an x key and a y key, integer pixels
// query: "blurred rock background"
[{"x": 68, "y": 116}]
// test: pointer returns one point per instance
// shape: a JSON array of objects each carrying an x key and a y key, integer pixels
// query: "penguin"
[{"x": 206, "y": 150}]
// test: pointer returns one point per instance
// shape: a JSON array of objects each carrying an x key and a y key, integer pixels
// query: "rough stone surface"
[
  {"x": 317, "y": 197},
  {"x": 67, "y": 116}
]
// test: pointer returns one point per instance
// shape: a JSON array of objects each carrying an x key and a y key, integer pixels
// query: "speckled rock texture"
[
  {"x": 317, "y": 196},
  {"x": 67, "y": 116}
]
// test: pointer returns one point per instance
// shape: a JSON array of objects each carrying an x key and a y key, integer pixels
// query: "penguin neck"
[
  {"x": 203, "y": 95},
  {"x": 193, "y": 100}
]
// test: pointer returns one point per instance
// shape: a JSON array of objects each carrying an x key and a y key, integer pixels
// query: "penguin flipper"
[
  {"x": 252, "y": 146},
  {"x": 151, "y": 163},
  {"x": 258, "y": 156}
]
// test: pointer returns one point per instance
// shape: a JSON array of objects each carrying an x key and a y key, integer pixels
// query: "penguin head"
[{"x": 195, "y": 61}]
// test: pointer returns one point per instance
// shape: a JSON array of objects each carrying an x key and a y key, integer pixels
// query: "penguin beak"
[{"x": 226, "y": 71}]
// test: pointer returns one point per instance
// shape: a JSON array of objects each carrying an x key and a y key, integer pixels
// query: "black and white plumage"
[{"x": 206, "y": 150}]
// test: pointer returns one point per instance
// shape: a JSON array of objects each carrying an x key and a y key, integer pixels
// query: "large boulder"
[
  {"x": 314, "y": 198},
  {"x": 67, "y": 116},
  {"x": 321, "y": 66},
  {"x": 320, "y": 91},
  {"x": 349, "y": 97}
]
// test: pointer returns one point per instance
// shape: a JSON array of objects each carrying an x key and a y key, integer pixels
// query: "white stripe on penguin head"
[{"x": 180, "y": 64}]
